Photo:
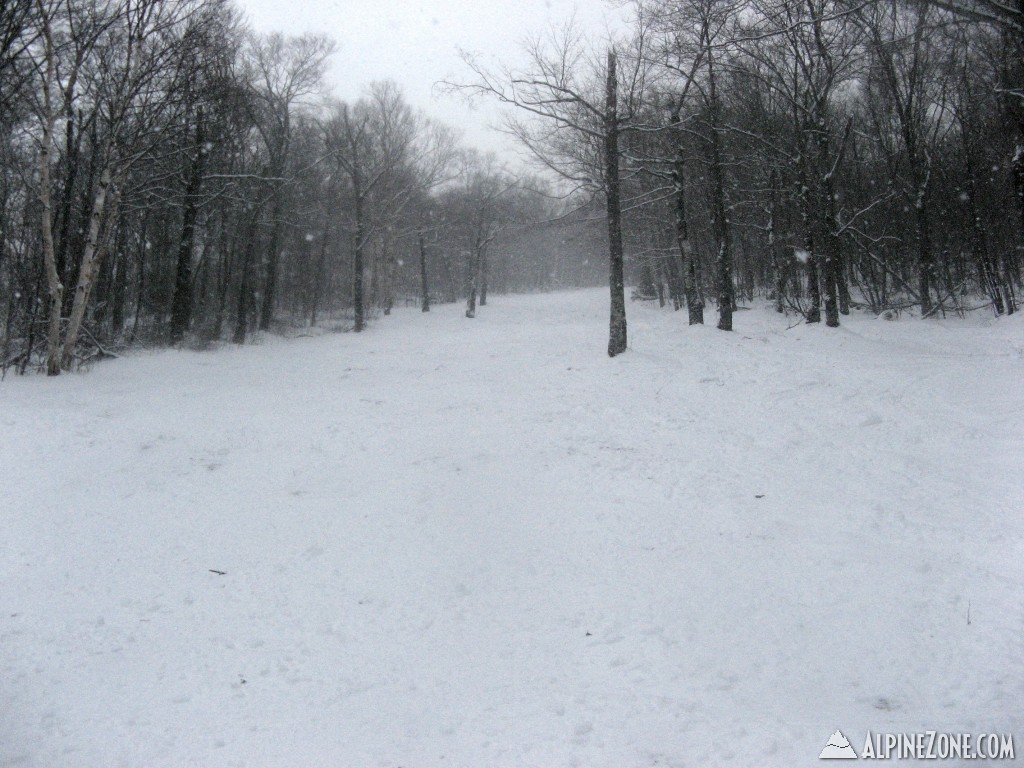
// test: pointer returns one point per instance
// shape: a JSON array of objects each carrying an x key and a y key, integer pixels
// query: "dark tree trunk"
[
  {"x": 831, "y": 254},
  {"x": 119, "y": 289},
  {"x": 273, "y": 262},
  {"x": 472, "y": 275},
  {"x": 181, "y": 304},
  {"x": 103, "y": 288},
  {"x": 837, "y": 294},
  {"x": 1017, "y": 167},
  {"x": 424, "y": 285},
  {"x": 813, "y": 313},
  {"x": 831, "y": 296},
  {"x": 813, "y": 282},
  {"x": 72, "y": 149},
  {"x": 383, "y": 275},
  {"x": 245, "y": 297},
  {"x": 694, "y": 302},
  {"x": 774, "y": 252},
  {"x": 388, "y": 297},
  {"x": 726, "y": 291},
  {"x": 842, "y": 282},
  {"x": 483, "y": 278},
  {"x": 357, "y": 260},
  {"x": 201, "y": 281},
  {"x": 720, "y": 210},
  {"x": 223, "y": 280},
  {"x": 77, "y": 223},
  {"x": 140, "y": 283},
  {"x": 924, "y": 253},
  {"x": 616, "y": 282}
]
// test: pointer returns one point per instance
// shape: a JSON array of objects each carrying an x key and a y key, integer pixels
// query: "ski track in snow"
[{"x": 483, "y": 543}]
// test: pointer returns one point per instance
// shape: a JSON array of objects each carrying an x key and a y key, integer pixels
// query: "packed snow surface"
[{"x": 483, "y": 543}]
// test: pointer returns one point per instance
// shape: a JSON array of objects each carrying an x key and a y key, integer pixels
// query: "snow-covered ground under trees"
[{"x": 484, "y": 544}]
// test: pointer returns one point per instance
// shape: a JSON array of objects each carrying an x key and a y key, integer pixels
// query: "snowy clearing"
[{"x": 484, "y": 543}]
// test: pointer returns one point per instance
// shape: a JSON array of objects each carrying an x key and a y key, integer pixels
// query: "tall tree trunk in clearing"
[
  {"x": 245, "y": 287},
  {"x": 273, "y": 257},
  {"x": 694, "y": 302},
  {"x": 726, "y": 292},
  {"x": 837, "y": 294},
  {"x": 242, "y": 310},
  {"x": 617, "y": 322},
  {"x": 424, "y": 286},
  {"x": 225, "y": 249},
  {"x": 774, "y": 252},
  {"x": 472, "y": 274},
  {"x": 387, "y": 268},
  {"x": 483, "y": 278},
  {"x": 925, "y": 258},
  {"x": 830, "y": 274},
  {"x": 357, "y": 258},
  {"x": 181, "y": 304},
  {"x": 813, "y": 314},
  {"x": 829, "y": 239}
]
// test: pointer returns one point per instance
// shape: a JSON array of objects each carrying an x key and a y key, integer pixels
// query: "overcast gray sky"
[{"x": 413, "y": 42}]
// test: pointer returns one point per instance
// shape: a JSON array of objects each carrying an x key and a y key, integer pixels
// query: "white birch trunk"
[
  {"x": 56, "y": 288},
  {"x": 88, "y": 268}
]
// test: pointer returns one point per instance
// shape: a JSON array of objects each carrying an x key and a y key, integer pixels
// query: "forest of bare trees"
[
  {"x": 821, "y": 153},
  {"x": 168, "y": 176}
]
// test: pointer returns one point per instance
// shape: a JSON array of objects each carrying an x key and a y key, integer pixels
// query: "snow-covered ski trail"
[{"x": 447, "y": 542}]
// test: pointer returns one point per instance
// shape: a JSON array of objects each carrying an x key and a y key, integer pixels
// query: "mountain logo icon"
[{"x": 838, "y": 748}]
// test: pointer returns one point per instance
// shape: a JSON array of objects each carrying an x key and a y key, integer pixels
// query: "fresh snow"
[{"x": 483, "y": 543}]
